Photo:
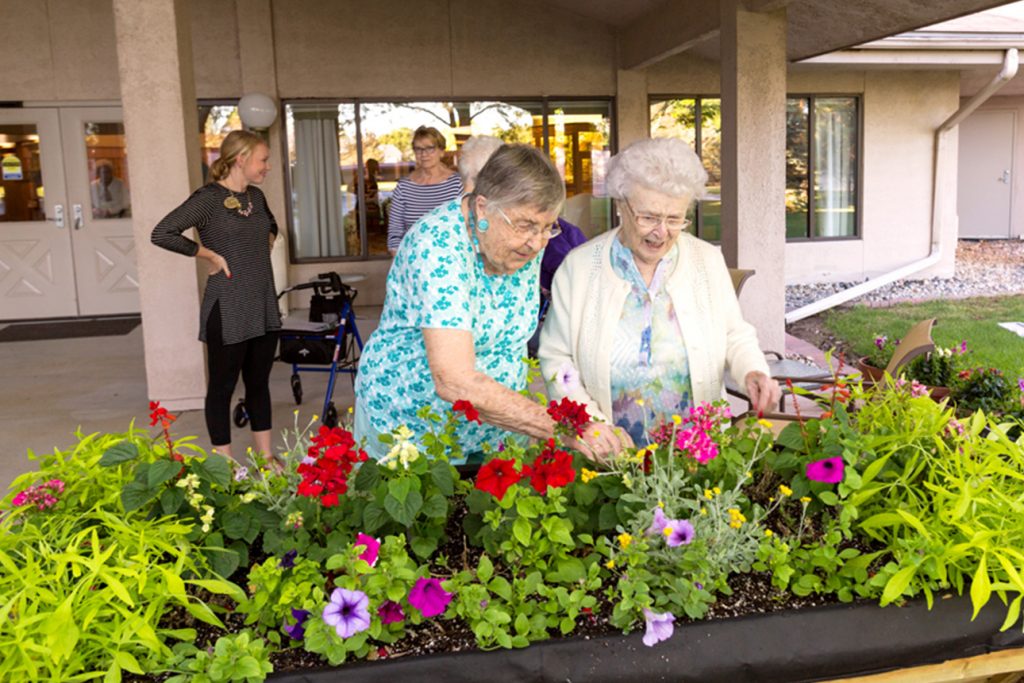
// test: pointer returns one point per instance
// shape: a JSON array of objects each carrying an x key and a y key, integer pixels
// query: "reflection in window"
[
  {"x": 372, "y": 142},
  {"x": 108, "y": 170},
  {"x": 821, "y": 160},
  {"x": 21, "y": 179},
  {"x": 215, "y": 122}
]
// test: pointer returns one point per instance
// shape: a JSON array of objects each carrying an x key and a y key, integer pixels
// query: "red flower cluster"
[
  {"x": 328, "y": 464},
  {"x": 159, "y": 414},
  {"x": 472, "y": 415},
  {"x": 553, "y": 467},
  {"x": 497, "y": 476},
  {"x": 569, "y": 414}
]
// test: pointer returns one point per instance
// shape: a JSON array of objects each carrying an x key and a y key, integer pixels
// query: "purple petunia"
[
  {"x": 288, "y": 561},
  {"x": 828, "y": 471},
  {"x": 390, "y": 612},
  {"x": 428, "y": 597},
  {"x": 298, "y": 631},
  {"x": 880, "y": 341},
  {"x": 678, "y": 532},
  {"x": 659, "y": 627},
  {"x": 347, "y": 612},
  {"x": 657, "y": 527}
]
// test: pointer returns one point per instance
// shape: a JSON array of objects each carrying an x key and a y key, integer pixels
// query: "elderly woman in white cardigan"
[{"x": 644, "y": 320}]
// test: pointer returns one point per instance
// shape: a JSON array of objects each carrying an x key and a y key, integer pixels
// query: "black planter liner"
[{"x": 785, "y": 647}]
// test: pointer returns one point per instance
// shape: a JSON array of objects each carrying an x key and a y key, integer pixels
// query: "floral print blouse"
[
  {"x": 650, "y": 374},
  {"x": 437, "y": 281}
]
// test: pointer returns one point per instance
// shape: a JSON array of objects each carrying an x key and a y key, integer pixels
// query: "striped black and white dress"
[
  {"x": 248, "y": 300},
  {"x": 411, "y": 201}
]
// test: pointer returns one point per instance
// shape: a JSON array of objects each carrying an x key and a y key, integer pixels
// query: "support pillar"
[{"x": 632, "y": 114}]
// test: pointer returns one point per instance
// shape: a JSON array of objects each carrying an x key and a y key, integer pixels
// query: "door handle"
[
  {"x": 1005, "y": 178},
  {"x": 79, "y": 217},
  {"x": 58, "y": 215}
]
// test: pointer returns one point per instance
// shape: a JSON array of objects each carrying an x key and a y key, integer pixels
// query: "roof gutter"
[{"x": 939, "y": 171}]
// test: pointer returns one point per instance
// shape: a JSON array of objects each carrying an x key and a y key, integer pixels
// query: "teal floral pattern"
[
  {"x": 437, "y": 281},
  {"x": 650, "y": 374}
]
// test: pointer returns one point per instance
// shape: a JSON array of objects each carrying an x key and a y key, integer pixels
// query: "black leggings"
[{"x": 252, "y": 358}]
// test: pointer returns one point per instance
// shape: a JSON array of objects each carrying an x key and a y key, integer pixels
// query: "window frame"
[
  {"x": 858, "y": 99},
  {"x": 364, "y": 255}
]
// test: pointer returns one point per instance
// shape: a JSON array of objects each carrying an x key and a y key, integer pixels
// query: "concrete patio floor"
[{"x": 98, "y": 384}]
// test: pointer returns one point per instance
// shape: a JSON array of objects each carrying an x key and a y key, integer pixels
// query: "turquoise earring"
[{"x": 482, "y": 225}]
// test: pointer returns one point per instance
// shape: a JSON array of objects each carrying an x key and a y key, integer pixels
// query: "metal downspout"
[{"x": 1007, "y": 72}]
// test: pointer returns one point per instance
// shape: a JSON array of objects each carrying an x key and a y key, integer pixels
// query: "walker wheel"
[
  {"x": 297, "y": 389},
  {"x": 240, "y": 415},
  {"x": 331, "y": 416}
]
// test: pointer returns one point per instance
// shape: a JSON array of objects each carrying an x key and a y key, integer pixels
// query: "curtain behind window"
[{"x": 319, "y": 207}]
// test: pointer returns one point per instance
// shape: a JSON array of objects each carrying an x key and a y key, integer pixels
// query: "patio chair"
[
  {"x": 916, "y": 342},
  {"x": 779, "y": 367}
]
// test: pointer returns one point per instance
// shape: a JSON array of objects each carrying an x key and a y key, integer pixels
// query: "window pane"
[
  {"x": 215, "y": 122},
  {"x": 580, "y": 146},
  {"x": 674, "y": 119},
  {"x": 835, "y": 166},
  {"x": 322, "y": 170},
  {"x": 797, "y": 133},
  {"x": 109, "y": 189},
  {"x": 711, "y": 155},
  {"x": 21, "y": 181}
]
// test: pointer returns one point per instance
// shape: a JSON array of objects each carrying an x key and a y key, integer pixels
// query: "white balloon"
[{"x": 257, "y": 110}]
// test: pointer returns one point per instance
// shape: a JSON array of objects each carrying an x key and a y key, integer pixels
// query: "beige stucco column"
[
  {"x": 154, "y": 57},
  {"x": 256, "y": 52},
  {"x": 632, "y": 117},
  {"x": 753, "y": 51}
]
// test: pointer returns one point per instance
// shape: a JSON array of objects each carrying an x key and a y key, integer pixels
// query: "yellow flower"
[
  {"x": 661, "y": 504},
  {"x": 765, "y": 423},
  {"x": 736, "y": 518},
  {"x": 703, "y": 511},
  {"x": 676, "y": 420},
  {"x": 750, "y": 475},
  {"x": 403, "y": 433},
  {"x": 315, "y": 417},
  {"x": 805, "y": 500},
  {"x": 624, "y": 540},
  {"x": 771, "y": 499},
  {"x": 717, "y": 491},
  {"x": 768, "y": 533},
  {"x": 610, "y": 564},
  {"x": 627, "y": 481},
  {"x": 295, "y": 412},
  {"x": 640, "y": 402},
  {"x": 708, "y": 494},
  {"x": 350, "y": 410},
  {"x": 785, "y": 490},
  {"x": 587, "y": 475},
  {"x": 668, "y": 531},
  {"x": 597, "y": 433},
  {"x": 248, "y": 497}
]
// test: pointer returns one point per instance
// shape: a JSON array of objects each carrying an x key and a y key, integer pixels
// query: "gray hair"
[
  {"x": 474, "y": 154},
  {"x": 666, "y": 165},
  {"x": 520, "y": 175}
]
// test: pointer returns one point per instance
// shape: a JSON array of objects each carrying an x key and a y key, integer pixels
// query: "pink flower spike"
[
  {"x": 429, "y": 597},
  {"x": 371, "y": 547},
  {"x": 659, "y": 627},
  {"x": 828, "y": 471}
]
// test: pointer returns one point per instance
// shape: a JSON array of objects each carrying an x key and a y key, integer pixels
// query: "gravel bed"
[{"x": 983, "y": 268}]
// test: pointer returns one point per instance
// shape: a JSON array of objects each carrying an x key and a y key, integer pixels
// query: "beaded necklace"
[{"x": 233, "y": 203}]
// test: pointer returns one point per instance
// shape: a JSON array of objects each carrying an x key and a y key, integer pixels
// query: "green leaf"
[
  {"x": 368, "y": 476},
  {"x": 127, "y": 661},
  {"x": 585, "y": 494},
  {"x": 981, "y": 587},
  {"x": 521, "y": 530},
  {"x": 791, "y": 437},
  {"x": 828, "y": 497},
  {"x": 485, "y": 569},
  {"x": 423, "y": 546},
  {"x": 404, "y": 511},
  {"x": 436, "y": 507},
  {"x": 219, "y": 470},
  {"x": 135, "y": 495},
  {"x": 1012, "y": 614},
  {"x": 399, "y": 488},
  {"x": 608, "y": 517},
  {"x": 441, "y": 473},
  {"x": 374, "y": 517},
  {"x": 235, "y": 525},
  {"x": 897, "y": 584},
  {"x": 171, "y": 500},
  {"x": 500, "y": 586},
  {"x": 162, "y": 470},
  {"x": 123, "y": 451},
  {"x": 560, "y": 533},
  {"x": 223, "y": 561}
]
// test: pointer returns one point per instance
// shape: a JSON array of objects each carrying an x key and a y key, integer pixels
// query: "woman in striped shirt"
[
  {"x": 239, "y": 316},
  {"x": 430, "y": 185}
]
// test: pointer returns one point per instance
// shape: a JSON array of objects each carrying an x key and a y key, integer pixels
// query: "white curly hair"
[
  {"x": 666, "y": 165},
  {"x": 474, "y": 154}
]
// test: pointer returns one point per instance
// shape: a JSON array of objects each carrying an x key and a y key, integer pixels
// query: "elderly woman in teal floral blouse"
[
  {"x": 462, "y": 301},
  {"x": 644, "y": 319}
]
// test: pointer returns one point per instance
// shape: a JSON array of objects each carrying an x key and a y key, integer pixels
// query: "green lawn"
[{"x": 975, "y": 320}]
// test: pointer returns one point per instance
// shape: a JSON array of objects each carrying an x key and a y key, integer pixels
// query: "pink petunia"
[
  {"x": 372, "y": 548},
  {"x": 828, "y": 471},
  {"x": 429, "y": 597}
]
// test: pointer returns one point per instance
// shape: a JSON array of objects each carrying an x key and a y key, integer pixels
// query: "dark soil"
[{"x": 813, "y": 331}]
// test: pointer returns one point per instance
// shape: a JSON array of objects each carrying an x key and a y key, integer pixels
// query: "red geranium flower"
[
  {"x": 472, "y": 415},
  {"x": 569, "y": 414},
  {"x": 553, "y": 467},
  {"x": 328, "y": 465},
  {"x": 497, "y": 476}
]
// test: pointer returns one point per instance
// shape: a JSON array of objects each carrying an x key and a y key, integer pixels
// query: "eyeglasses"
[
  {"x": 649, "y": 221},
  {"x": 527, "y": 230},
  {"x": 420, "y": 151}
]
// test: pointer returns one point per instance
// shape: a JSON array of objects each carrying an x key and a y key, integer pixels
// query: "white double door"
[{"x": 66, "y": 243}]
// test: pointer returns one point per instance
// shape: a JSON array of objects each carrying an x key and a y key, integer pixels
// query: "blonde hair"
[
  {"x": 237, "y": 143},
  {"x": 432, "y": 134}
]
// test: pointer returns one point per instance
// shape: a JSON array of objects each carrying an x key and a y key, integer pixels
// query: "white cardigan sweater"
[{"x": 586, "y": 305}]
